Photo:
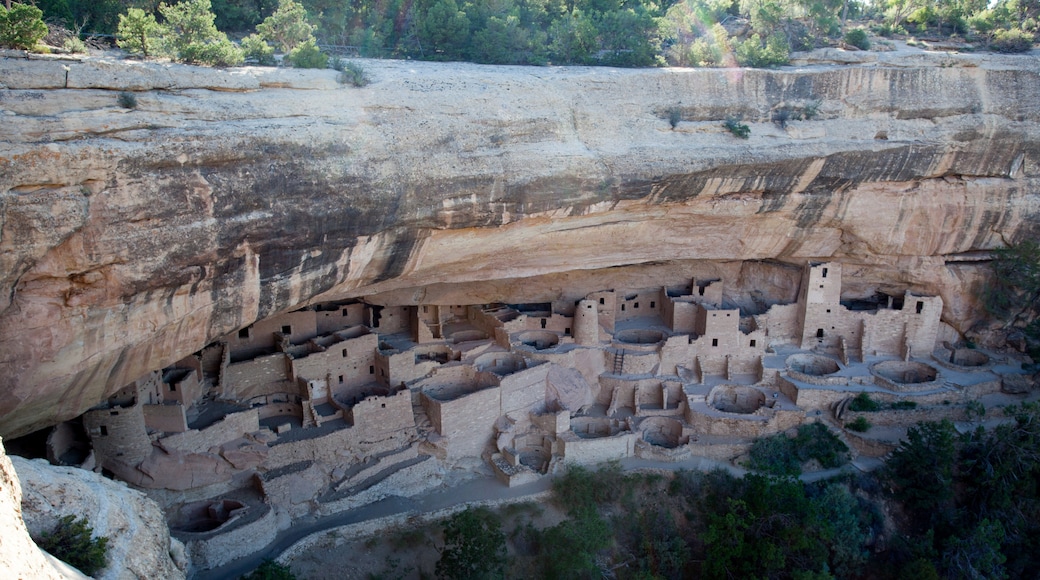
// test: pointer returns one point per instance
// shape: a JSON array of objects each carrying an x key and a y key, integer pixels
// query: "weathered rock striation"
[
  {"x": 139, "y": 543},
  {"x": 130, "y": 238}
]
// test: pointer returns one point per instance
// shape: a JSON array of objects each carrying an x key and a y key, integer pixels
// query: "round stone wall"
[
  {"x": 903, "y": 373},
  {"x": 639, "y": 336},
  {"x": 737, "y": 399},
  {"x": 663, "y": 432},
  {"x": 500, "y": 363},
  {"x": 540, "y": 339},
  {"x": 812, "y": 364}
]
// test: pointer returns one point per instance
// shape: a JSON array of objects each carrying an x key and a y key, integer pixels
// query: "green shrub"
[
  {"x": 308, "y": 55},
  {"x": 864, "y": 404},
  {"x": 474, "y": 546},
  {"x": 74, "y": 45},
  {"x": 755, "y": 53},
  {"x": 1011, "y": 41},
  {"x": 138, "y": 33},
  {"x": 287, "y": 28},
  {"x": 270, "y": 570},
  {"x": 127, "y": 100},
  {"x": 579, "y": 490},
  {"x": 352, "y": 73},
  {"x": 858, "y": 37},
  {"x": 737, "y": 128},
  {"x": 190, "y": 35},
  {"x": 775, "y": 455},
  {"x": 860, "y": 424},
  {"x": 21, "y": 27},
  {"x": 904, "y": 405},
  {"x": 674, "y": 116},
  {"x": 815, "y": 441},
  {"x": 256, "y": 49},
  {"x": 71, "y": 542}
]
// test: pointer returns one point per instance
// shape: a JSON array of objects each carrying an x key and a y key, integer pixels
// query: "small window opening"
[
  {"x": 825, "y": 272},
  {"x": 346, "y": 312},
  {"x": 601, "y": 301},
  {"x": 622, "y": 308},
  {"x": 752, "y": 342},
  {"x": 383, "y": 405},
  {"x": 653, "y": 304},
  {"x": 104, "y": 431},
  {"x": 819, "y": 333},
  {"x": 341, "y": 379},
  {"x": 821, "y": 285},
  {"x": 173, "y": 388},
  {"x": 637, "y": 305},
  {"x": 590, "y": 306},
  {"x": 920, "y": 306},
  {"x": 344, "y": 353},
  {"x": 828, "y": 311},
  {"x": 543, "y": 323},
  {"x": 714, "y": 342},
  {"x": 371, "y": 369},
  {"x": 243, "y": 333},
  {"x": 566, "y": 331},
  {"x": 286, "y": 329},
  {"x": 113, "y": 413}
]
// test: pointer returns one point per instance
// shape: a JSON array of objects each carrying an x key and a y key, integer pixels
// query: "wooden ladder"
[{"x": 619, "y": 361}]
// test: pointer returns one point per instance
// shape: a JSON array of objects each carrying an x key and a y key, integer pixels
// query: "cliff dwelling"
[{"x": 303, "y": 410}]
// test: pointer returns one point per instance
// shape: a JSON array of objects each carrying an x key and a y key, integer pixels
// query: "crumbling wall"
[
  {"x": 259, "y": 337},
  {"x": 524, "y": 391},
  {"x": 227, "y": 429},
  {"x": 637, "y": 304},
  {"x": 347, "y": 315},
  {"x": 350, "y": 363},
  {"x": 375, "y": 416},
  {"x": 579, "y": 451},
  {"x": 467, "y": 421},
  {"x": 167, "y": 418},
  {"x": 260, "y": 376}
]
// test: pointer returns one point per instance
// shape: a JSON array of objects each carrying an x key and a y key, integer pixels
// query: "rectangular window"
[
  {"x": 104, "y": 431},
  {"x": 601, "y": 301},
  {"x": 543, "y": 323},
  {"x": 346, "y": 312},
  {"x": 371, "y": 369},
  {"x": 637, "y": 305},
  {"x": 286, "y": 329},
  {"x": 825, "y": 272},
  {"x": 920, "y": 306},
  {"x": 752, "y": 343},
  {"x": 341, "y": 379},
  {"x": 819, "y": 333},
  {"x": 653, "y": 304},
  {"x": 243, "y": 333},
  {"x": 622, "y": 308},
  {"x": 173, "y": 388},
  {"x": 566, "y": 331},
  {"x": 344, "y": 353},
  {"x": 714, "y": 342}
]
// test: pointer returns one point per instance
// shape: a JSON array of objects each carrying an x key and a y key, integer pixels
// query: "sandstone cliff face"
[
  {"x": 130, "y": 238},
  {"x": 139, "y": 543},
  {"x": 19, "y": 556}
]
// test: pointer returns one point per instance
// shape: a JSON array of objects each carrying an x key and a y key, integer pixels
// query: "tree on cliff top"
[
  {"x": 287, "y": 28},
  {"x": 21, "y": 26},
  {"x": 190, "y": 36}
]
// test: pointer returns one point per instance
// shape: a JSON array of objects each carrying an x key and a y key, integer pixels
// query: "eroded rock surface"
[
  {"x": 139, "y": 543},
  {"x": 130, "y": 238}
]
